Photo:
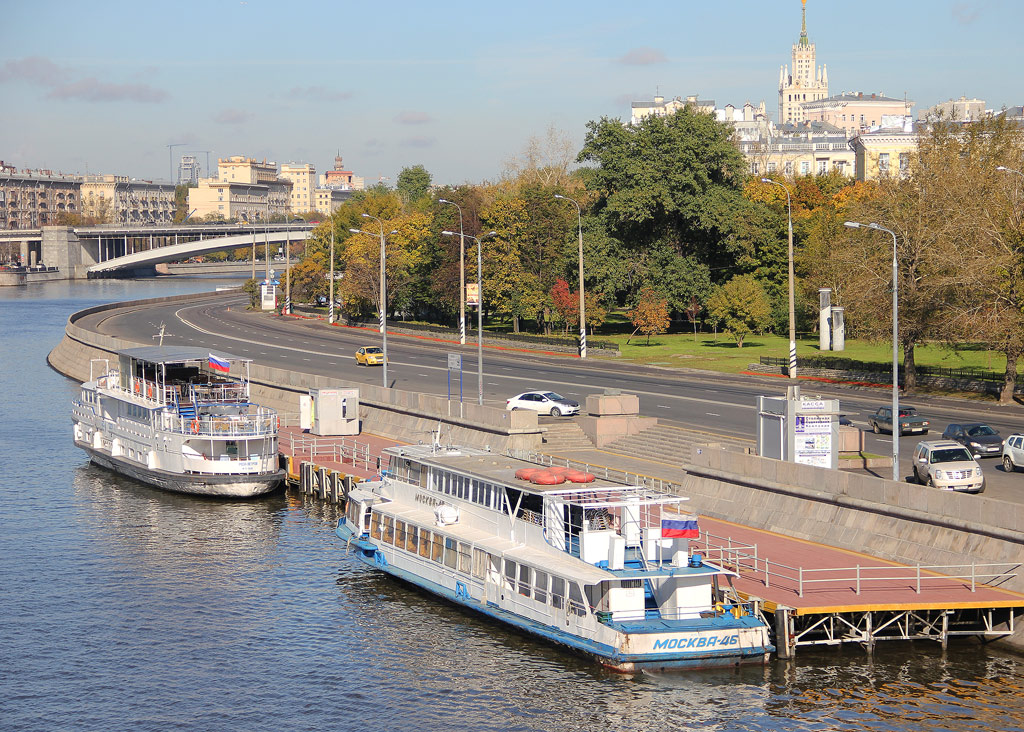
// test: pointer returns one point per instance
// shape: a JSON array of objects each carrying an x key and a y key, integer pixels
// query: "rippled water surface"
[{"x": 123, "y": 608}]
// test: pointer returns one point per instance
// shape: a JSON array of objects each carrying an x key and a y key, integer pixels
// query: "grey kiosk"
[{"x": 799, "y": 429}]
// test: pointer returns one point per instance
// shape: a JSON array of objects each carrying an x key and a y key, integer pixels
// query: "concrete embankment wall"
[
  {"x": 902, "y": 522},
  {"x": 403, "y": 415}
]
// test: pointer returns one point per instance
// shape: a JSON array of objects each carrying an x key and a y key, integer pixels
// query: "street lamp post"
[
  {"x": 583, "y": 310},
  {"x": 896, "y": 428},
  {"x": 462, "y": 273},
  {"x": 330, "y": 303},
  {"x": 383, "y": 292},
  {"x": 792, "y": 296},
  {"x": 479, "y": 309}
]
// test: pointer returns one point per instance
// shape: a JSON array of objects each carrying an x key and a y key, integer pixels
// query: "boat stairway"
[{"x": 187, "y": 411}]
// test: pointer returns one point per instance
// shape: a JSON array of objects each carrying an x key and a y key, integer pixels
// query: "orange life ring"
[
  {"x": 194, "y": 424},
  {"x": 149, "y": 391}
]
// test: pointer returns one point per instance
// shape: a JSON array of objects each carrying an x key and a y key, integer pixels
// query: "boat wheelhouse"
[
  {"x": 177, "y": 419},
  {"x": 598, "y": 566}
]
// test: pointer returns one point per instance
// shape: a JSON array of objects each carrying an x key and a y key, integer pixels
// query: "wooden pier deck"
[
  {"x": 332, "y": 462},
  {"x": 823, "y": 595}
]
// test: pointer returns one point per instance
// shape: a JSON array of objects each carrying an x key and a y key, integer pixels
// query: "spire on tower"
[{"x": 803, "y": 24}]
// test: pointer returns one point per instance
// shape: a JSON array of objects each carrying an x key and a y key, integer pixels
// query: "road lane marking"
[{"x": 553, "y": 382}]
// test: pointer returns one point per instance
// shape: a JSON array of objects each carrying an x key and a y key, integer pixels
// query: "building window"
[
  {"x": 789, "y": 168},
  {"x": 805, "y": 168},
  {"x": 883, "y": 162},
  {"x": 754, "y": 168},
  {"x": 904, "y": 162},
  {"x": 771, "y": 167},
  {"x": 822, "y": 167}
]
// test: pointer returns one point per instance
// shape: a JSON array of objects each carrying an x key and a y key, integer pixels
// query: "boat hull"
[
  {"x": 607, "y": 655},
  {"x": 223, "y": 486}
]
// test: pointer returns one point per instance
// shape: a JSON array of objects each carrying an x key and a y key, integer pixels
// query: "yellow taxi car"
[{"x": 370, "y": 356}]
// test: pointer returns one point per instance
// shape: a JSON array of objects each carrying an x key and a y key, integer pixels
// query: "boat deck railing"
[
  {"x": 744, "y": 559},
  {"x": 232, "y": 392},
  {"x": 262, "y": 423},
  {"x": 601, "y": 471}
]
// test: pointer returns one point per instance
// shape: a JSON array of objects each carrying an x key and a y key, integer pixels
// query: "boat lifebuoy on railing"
[{"x": 194, "y": 426}]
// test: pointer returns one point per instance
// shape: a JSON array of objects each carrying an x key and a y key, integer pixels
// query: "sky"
[{"x": 458, "y": 87}]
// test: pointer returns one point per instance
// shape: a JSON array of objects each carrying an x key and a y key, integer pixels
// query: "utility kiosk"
[{"x": 799, "y": 429}]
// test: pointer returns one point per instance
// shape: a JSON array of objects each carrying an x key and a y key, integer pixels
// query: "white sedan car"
[{"x": 546, "y": 402}]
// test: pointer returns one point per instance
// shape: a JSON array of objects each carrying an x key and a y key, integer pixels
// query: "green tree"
[
  {"x": 181, "y": 202},
  {"x": 252, "y": 289},
  {"x": 650, "y": 314},
  {"x": 675, "y": 179},
  {"x": 413, "y": 184},
  {"x": 741, "y": 306},
  {"x": 983, "y": 210}
]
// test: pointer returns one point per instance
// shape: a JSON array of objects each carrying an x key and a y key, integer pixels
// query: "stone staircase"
[
  {"x": 673, "y": 444},
  {"x": 562, "y": 435}
]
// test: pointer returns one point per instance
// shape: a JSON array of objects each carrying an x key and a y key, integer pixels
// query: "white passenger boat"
[
  {"x": 176, "y": 419},
  {"x": 598, "y": 566}
]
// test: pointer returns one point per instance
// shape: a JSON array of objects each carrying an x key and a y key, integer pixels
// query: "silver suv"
[
  {"x": 1013, "y": 452},
  {"x": 947, "y": 465}
]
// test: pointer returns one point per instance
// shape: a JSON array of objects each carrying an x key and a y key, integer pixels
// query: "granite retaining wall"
[{"x": 402, "y": 415}]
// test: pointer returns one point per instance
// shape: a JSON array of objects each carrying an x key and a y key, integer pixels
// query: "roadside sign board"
[
  {"x": 472, "y": 294},
  {"x": 455, "y": 362}
]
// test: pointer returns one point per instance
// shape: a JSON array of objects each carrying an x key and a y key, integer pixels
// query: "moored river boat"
[
  {"x": 176, "y": 419},
  {"x": 598, "y": 566}
]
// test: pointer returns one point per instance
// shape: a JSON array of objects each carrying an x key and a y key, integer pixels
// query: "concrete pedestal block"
[{"x": 600, "y": 405}]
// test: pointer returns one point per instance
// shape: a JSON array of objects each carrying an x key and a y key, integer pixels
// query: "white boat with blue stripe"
[{"x": 601, "y": 567}]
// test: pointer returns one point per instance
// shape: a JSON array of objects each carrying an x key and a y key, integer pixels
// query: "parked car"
[
  {"x": 1013, "y": 452},
  {"x": 547, "y": 402},
  {"x": 980, "y": 439},
  {"x": 947, "y": 465},
  {"x": 370, "y": 356},
  {"x": 910, "y": 421}
]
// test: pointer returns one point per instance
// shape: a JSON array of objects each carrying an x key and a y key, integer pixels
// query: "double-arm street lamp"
[
  {"x": 479, "y": 309},
  {"x": 896, "y": 428},
  {"x": 583, "y": 310},
  {"x": 383, "y": 291},
  {"x": 792, "y": 296},
  {"x": 462, "y": 273}
]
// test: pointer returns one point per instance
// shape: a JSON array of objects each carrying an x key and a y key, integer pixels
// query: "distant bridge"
[{"x": 89, "y": 251}]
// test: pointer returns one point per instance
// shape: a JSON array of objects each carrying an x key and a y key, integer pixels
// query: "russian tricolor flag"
[
  {"x": 219, "y": 364},
  {"x": 679, "y": 526}
]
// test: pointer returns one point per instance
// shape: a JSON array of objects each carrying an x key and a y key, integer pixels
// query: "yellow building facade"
[{"x": 883, "y": 154}]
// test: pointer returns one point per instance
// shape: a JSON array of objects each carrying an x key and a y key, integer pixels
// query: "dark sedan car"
[{"x": 980, "y": 439}]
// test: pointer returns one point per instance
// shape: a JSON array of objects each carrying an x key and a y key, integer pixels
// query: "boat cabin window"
[
  {"x": 411, "y": 538},
  {"x": 450, "y": 553},
  {"x": 352, "y": 512},
  {"x": 399, "y": 533},
  {"x": 480, "y": 563},
  {"x": 462, "y": 487},
  {"x": 437, "y": 547},
  {"x": 510, "y": 575},
  {"x": 425, "y": 543},
  {"x": 465, "y": 558},
  {"x": 540, "y": 586},
  {"x": 577, "y": 604},
  {"x": 557, "y": 592},
  {"x": 524, "y": 580}
]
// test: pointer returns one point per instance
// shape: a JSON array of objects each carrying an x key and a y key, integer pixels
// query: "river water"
[{"x": 123, "y": 608}]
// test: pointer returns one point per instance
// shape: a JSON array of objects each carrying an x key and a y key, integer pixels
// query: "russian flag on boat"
[
  {"x": 219, "y": 364},
  {"x": 679, "y": 526}
]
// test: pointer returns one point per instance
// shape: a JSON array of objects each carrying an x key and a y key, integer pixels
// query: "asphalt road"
[{"x": 716, "y": 403}]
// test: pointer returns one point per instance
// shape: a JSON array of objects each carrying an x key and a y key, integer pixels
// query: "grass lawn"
[{"x": 722, "y": 353}]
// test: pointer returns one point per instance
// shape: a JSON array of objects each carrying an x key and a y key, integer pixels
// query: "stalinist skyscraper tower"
[{"x": 805, "y": 83}]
